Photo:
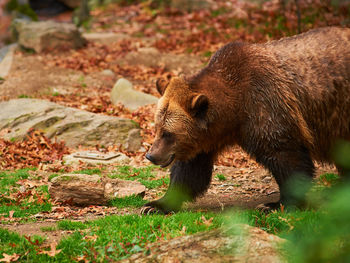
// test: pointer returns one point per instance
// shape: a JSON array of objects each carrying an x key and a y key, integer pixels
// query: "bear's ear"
[
  {"x": 199, "y": 105},
  {"x": 161, "y": 85}
]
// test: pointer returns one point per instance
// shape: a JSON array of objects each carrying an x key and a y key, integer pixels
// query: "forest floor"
[{"x": 60, "y": 232}]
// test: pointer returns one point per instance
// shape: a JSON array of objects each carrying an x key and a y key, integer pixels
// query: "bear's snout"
[
  {"x": 150, "y": 158},
  {"x": 162, "y": 160}
]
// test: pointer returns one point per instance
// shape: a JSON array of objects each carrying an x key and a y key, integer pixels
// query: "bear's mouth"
[{"x": 170, "y": 160}]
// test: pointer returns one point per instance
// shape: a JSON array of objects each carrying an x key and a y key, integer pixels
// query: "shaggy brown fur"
[{"x": 285, "y": 102}]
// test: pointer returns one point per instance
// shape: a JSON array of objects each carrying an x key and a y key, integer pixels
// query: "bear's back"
[
  {"x": 318, "y": 65},
  {"x": 316, "y": 59}
]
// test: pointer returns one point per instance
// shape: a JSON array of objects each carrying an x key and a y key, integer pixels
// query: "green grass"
[
  {"x": 129, "y": 201},
  {"x": 48, "y": 228},
  {"x": 53, "y": 176},
  {"x": 71, "y": 225},
  {"x": 88, "y": 171},
  {"x": 151, "y": 184},
  {"x": 277, "y": 222},
  {"x": 221, "y": 177},
  {"x": 9, "y": 179},
  {"x": 21, "y": 204},
  {"x": 144, "y": 175},
  {"x": 110, "y": 238},
  {"x": 113, "y": 238},
  {"x": 23, "y": 96}
]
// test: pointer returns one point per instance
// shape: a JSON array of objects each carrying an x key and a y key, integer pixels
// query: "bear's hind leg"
[
  {"x": 188, "y": 180},
  {"x": 293, "y": 170}
]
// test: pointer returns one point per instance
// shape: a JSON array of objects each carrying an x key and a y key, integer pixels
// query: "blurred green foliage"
[
  {"x": 318, "y": 234},
  {"x": 24, "y": 9}
]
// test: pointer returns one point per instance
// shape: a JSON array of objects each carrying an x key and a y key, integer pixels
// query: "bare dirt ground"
[{"x": 31, "y": 76}]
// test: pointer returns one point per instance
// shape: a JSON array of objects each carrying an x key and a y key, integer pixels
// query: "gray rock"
[
  {"x": 105, "y": 37},
  {"x": 119, "y": 159},
  {"x": 47, "y": 35},
  {"x": 123, "y": 92},
  {"x": 151, "y": 57},
  {"x": 75, "y": 127},
  {"x": 6, "y": 58}
]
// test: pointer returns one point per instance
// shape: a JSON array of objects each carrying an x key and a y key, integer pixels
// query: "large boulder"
[
  {"x": 124, "y": 93},
  {"x": 75, "y": 127},
  {"x": 47, "y": 35}
]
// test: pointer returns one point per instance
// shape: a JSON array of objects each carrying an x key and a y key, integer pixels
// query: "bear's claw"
[{"x": 148, "y": 210}]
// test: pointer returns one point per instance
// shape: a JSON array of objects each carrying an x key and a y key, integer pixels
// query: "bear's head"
[{"x": 181, "y": 122}]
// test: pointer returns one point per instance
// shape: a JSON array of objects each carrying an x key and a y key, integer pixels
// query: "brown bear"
[{"x": 284, "y": 102}]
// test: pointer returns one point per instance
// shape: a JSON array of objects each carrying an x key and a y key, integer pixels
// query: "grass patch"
[
  {"x": 9, "y": 179},
  {"x": 111, "y": 238},
  {"x": 23, "y": 96},
  {"x": 71, "y": 225},
  {"x": 129, "y": 201},
  {"x": 277, "y": 222},
  {"x": 89, "y": 171},
  {"x": 221, "y": 177},
  {"x": 144, "y": 175},
  {"x": 120, "y": 236},
  {"x": 48, "y": 228},
  {"x": 21, "y": 204},
  {"x": 151, "y": 184},
  {"x": 53, "y": 176}
]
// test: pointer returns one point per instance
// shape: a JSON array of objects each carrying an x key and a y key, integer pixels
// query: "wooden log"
[{"x": 83, "y": 189}]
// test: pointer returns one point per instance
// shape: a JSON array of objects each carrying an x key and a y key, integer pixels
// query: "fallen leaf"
[
  {"x": 91, "y": 238},
  {"x": 9, "y": 258},
  {"x": 11, "y": 214},
  {"x": 207, "y": 222},
  {"x": 53, "y": 251}
]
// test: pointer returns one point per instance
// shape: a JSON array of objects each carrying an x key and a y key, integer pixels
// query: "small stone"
[
  {"x": 267, "y": 179},
  {"x": 123, "y": 92},
  {"x": 107, "y": 73},
  {"x": 22, "y": 188}
]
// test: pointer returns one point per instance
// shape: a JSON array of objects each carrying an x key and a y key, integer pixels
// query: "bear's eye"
[{"x": 167, "y": 134}]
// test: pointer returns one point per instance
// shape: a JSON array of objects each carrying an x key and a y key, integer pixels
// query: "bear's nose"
[{"x": 150, "y": 157}]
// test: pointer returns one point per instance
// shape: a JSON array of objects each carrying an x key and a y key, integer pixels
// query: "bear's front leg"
[{"x": 188, "y": 180}]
